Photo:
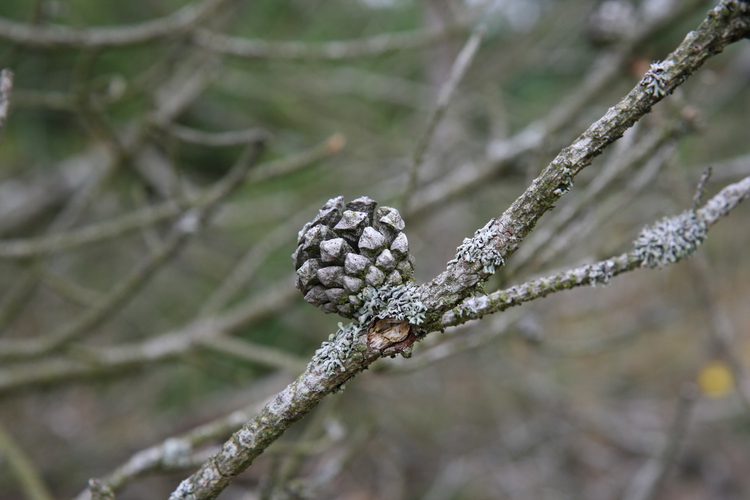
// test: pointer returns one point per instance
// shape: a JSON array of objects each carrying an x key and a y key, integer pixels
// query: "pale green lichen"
[
  {"x": 480, "y": 249},
  {"x": 669, "y": 240}
]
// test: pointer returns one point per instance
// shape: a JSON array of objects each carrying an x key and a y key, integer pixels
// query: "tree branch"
[
  {"x": 139, "y": 219},
  {"x": 191, "y": 221},
  {"x": 6, "y": 84},
  {"x": 598, "y": 273},
  {"x": 59, "y": 37},
  {"x": 335, "y": 50}
]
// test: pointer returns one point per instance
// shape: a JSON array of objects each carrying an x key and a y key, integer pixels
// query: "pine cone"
[{"x": 348, "y": 247}]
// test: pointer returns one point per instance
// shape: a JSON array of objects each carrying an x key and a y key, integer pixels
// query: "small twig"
[
  {"x": 651, "y": 476},
  {"x": 335, "y": 50},
  {"x": 217, "y": 139},
  {"x": 68, "y": 289},
  {"x": 701, "y": 189},
  {"x": 58, "y": 37},
  {"x": 6, "y": 85},
  {"x": 254, "y": 353},
  {"x": 21, "y": 466},
  {"x": 458, "y": 70}
]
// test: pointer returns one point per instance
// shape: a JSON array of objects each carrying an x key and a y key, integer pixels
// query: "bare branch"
[
  {"x": 185, "y": 227},
  {"x": 175, "y": 453},
  {"x": 23, "y": 468},
  {"x": 336, "y": 50},
  {"x": 459, "y": 69},
  {"x": 88, "y": 363},
  {"x": 57, "y": 242},
  {"x": 504, "y": 152},
  {"x": 58, "y": 37},
  {"x": 6, "y": 84},
  {"x": 217, "y": 139},
  {"x": 652, "y": 475}
]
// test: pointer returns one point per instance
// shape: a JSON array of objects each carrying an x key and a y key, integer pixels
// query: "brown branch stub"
[{"x": 391, "y": 336}]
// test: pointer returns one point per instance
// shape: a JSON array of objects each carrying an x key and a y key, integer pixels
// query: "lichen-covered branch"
[
  {"x": 666, "y": 242},
  {"x": 330, "y": 369},
  {"x": 350, "y": 350},
  {"x": 500, "y": 238}
]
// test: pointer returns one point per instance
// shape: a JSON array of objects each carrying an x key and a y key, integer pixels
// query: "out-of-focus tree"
[{"x": 159, "y": 159}]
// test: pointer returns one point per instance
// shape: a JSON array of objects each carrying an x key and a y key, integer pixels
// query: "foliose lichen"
[
  {"x": 480, "y": 249},
  {"x": 670, "y": 239},
  {"x": 332, "y": 353},
  {"x": 396, "y": 302}
]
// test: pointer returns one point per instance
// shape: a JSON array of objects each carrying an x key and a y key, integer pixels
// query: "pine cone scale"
[{"x": 347, "y": 247}]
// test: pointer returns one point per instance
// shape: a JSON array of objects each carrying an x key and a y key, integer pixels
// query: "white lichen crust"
[
  {"x": 600, "y": 273},
  {"x": 655, "y": 80},
  {"x": 481, "y": 249},
  {"x": 670, "y": 239}
]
